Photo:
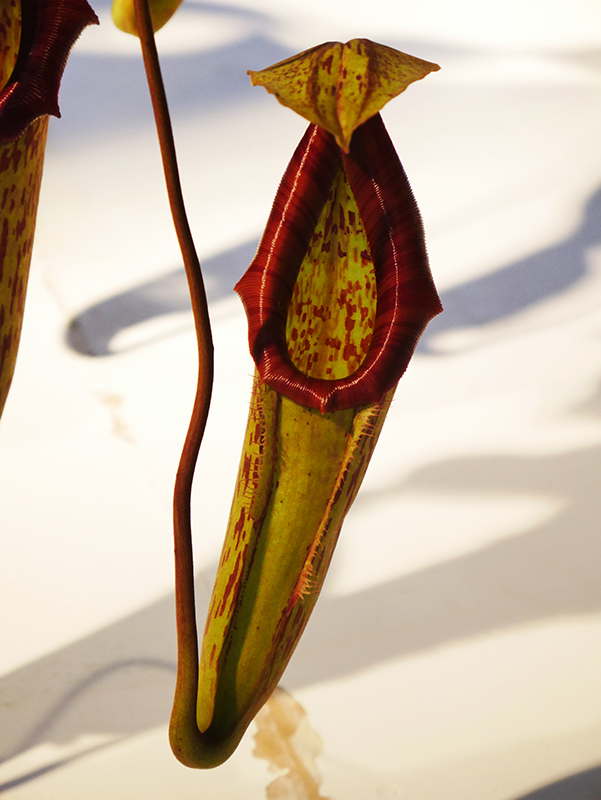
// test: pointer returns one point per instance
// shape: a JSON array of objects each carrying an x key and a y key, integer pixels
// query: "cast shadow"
[
  {"x": 92, "y": 331},
  {"x": 134, "y": 680},
  {"x": 520, "y": 285},
  {"x": 583, "y": 786},
  {"x": 105, "y": 93}
]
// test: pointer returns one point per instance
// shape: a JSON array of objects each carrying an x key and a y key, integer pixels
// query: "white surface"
[{"x": 456, "y": 649}]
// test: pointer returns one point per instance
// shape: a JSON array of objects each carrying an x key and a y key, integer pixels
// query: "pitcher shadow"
[
  {"x": 520, "y": 285},
  {"x": 585, "y": 785}
]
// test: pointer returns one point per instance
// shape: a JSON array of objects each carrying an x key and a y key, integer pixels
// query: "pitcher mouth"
[
  {"x": 49, "y": 28},
  {"x": 406, "y": 297}
]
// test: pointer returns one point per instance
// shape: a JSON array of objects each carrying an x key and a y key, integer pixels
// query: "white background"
[{"x": 455, "y": 652}]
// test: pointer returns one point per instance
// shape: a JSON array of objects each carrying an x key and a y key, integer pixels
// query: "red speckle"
[
  {"x": 239, "y": 527},
  {"x": 3, "y": 245},
  {"x": 233, "y": 580},
  {"x": 327, "y": 62}
]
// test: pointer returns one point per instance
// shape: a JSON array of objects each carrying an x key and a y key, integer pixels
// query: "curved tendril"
[{"x": 187, "y": 639}]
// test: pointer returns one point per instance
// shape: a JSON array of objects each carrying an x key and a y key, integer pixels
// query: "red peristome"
[
  {"x": 406, "y": 296},
  {"x": 49, "y": 28}
]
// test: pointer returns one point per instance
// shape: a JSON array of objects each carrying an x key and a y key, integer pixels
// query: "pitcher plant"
[
  {"x": 336, "y": 297},
  {"x": 35, "y": 39}
]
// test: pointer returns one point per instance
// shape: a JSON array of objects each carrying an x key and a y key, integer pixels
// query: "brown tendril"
[{"x": 187, "y": 639}]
